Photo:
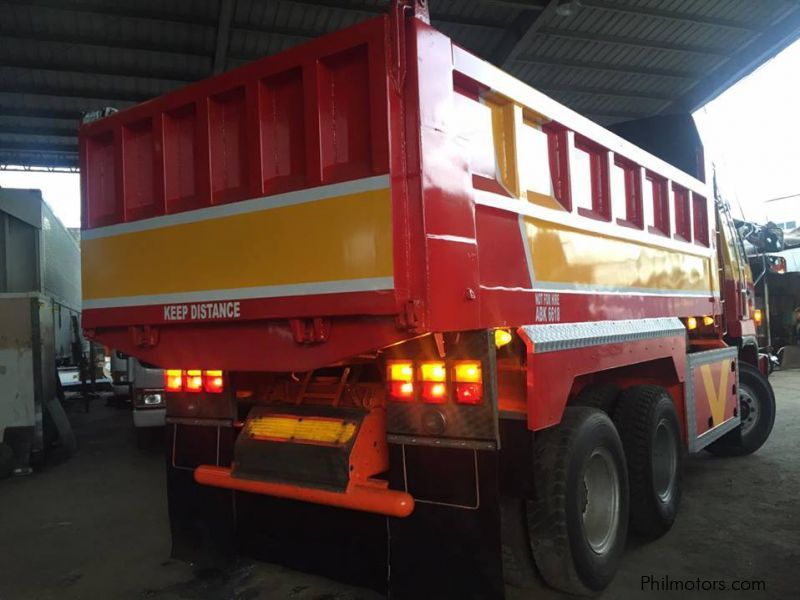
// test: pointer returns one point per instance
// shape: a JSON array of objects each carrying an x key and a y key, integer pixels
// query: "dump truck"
[{"x": 423, "y": 327}]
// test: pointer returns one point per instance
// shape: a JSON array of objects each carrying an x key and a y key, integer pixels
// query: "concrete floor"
[{"x": 96, "y": 527}]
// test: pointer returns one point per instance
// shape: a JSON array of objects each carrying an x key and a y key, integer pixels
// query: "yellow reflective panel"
[
  {"x": 578, "y": 259},
  {"x": 345, "y": 238},
  {"x": 302, "y": 429}
]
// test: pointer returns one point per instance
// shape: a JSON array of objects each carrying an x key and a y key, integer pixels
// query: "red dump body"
[{"x": 362, "y": 189}]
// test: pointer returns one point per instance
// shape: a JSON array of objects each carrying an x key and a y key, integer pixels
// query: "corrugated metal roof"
[{"x": 612, "y": 60}]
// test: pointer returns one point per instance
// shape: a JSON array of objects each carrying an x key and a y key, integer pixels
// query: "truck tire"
[
  {"x": 603, "y": 396},
  {"x": 651, "y": 436},
  {"x": 519, "y": 570},
  {"x": 757, "y": 412},
  {"x": 578, "y": 519}
]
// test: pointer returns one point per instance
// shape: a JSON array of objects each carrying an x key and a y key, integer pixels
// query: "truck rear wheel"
[
  {"x": 648, "y": 426},
  {"x": 578, "y": 519},
  {"x": 756, "y": 411},
  {"x": 603, "y": 396}
]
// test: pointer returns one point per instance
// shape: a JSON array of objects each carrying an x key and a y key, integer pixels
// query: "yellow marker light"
[
  {"x": 194, "y": 381},
  {"x": 467, "y": 371},
  {"x": 502, "y": 337},
  {"x": 302, "y": 429},
  {"x": 708, "y": 321},
  {"x": 691, "y": 323},
  {"x": 173, "y": 380},
  {"x": 400, "y": 371},
  {"x": 433, "y": 371},
  {"x": 758, "y": 316}
]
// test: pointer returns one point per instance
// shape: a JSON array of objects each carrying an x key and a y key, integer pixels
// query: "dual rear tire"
[{"x": 594, "y": 477}]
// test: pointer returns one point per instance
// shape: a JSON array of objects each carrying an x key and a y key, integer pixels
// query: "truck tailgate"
[{"x": 263, "y": 193}]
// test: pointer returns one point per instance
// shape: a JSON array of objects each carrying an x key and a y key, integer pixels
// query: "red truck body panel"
[{"x": 438, "y": 227}]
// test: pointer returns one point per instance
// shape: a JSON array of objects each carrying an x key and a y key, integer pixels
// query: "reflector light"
[
  {"x": 433, "y": 371},
  {"x": 467, "y": 371},
  {"x": 708, "y": 321},
  {"x": 402, "y": 390},
  {"x": 399, "y": 371},
  {"x": 194, "y": 381},
  {"x": 469, "y": 393},
  {"x": 434, "y": 392},
  {"x": 302, "y": 429},
  {"x": 173, "y": 380},
  {"x": 502, "y": 337},
  {"x": 213, "y": 382},
  {"x": 758, "y": 316},
  {"x": 691, "y": 323}
]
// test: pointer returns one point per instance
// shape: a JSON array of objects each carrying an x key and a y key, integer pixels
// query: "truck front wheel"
[
  {"x": 756, "y": 411},
  {"x": 578, "y": 519}
]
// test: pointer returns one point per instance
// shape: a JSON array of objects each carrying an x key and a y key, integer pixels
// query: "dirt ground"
[{"x": 95, "y": 527}]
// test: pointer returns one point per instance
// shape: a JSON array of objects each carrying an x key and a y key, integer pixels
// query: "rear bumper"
[
  {"x": 366, "y": 498},
  {"x": 149, "y": 417}
]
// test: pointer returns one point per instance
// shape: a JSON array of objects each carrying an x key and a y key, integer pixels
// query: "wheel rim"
[
  {"x": 601, "y": 497},
  {"x": 748, "y": 408},
  {"x": 665, "y": 461}
]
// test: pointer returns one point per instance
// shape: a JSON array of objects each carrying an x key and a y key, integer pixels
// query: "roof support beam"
[
  {"x": 227, "y": 8},
  {"x": 783, "y": 32},
  {"x": 587, "y": 36},
  {"x": 596, "y": 91},
  {"x": 684, "y": 17},
  {"x": 519, "y": 4},
  {"x": 35, "y": 64},
  {"x": 6, "y": 145},
  {"x": 600, "y": 66},
  {"x": 110, "y": 9},
  {"x": 377, "y": 9},
  {"x": 39, "y": 113},
  {"x": 163, "y": 46},
  {"x": 109, "y": 96},
  {"x": 519, "y": 35},
  {"x": 68, "y": 132},
  {"x": 7, "y": 163}
]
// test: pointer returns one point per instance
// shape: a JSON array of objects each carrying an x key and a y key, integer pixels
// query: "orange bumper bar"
[{"x": 377, "y": 499}]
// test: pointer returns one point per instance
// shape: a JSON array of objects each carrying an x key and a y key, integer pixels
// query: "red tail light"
[
  {"x": 469, "y": 382},
  {"x": 402, "y": 391},
  {"x": 173, "y": 380},
  {"x": 213, "y": 382},
  {"x": 469, "y": 393},
  {"x": 194, "y": 381},
  {"x": 434, "y": 392},
  {"x": 400, "y": 374}
]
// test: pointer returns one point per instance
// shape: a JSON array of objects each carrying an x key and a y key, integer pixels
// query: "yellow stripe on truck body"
[{"x": 336, "y": 242}]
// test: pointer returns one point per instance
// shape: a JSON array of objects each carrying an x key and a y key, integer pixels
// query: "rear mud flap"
[
  {"x": 201, "y": 518},
  {"x": 450, "y": 547},
  {"x": 344, "y": 545}
]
